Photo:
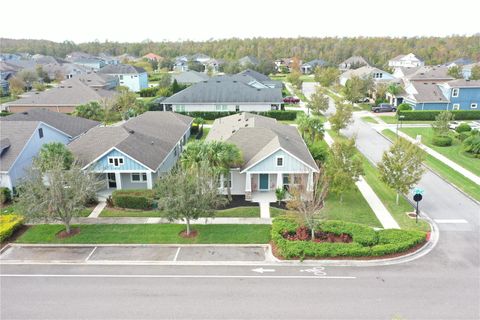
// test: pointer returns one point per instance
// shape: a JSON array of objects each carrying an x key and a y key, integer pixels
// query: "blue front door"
[{"x": 263, "y": 181}]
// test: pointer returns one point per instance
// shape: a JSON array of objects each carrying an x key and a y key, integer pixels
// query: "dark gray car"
[{"x": 384, "y": 107}]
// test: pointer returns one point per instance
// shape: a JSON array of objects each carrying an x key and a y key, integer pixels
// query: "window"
[
  {"x": 456, "y": 106},
  {"x": 279, "y": 161},
  {"x": 40, "y": 133},
  {"x": 115, "y": 161},
  {"x": 180, "y": 108},
  {"x": 474, "y": 106},
  {"x": 138, "y": 177},
  {"x": 121, "y": 77},
  {"x": 455, "y": 92},
  {"x": 237, "y": 108},
  {"x": 227, "y": 181},
  {"x": 221, "y": 107}
]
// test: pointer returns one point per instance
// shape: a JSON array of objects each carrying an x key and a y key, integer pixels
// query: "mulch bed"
[
  {"x": 239, "y": 201},
  {"x": 193, "y": 234},
  {"x": 63, "y": 234}
]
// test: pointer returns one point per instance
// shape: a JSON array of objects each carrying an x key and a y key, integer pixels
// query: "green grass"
[
  {"x": 7, "y": 99},
  {"x": 205, "y": 133},
  {"x": 452, "y": 176},
  {"x": 454, "y": 152},
  {"x": 150, "y": 233},
  {"x": 239, "y": 212},
  {"x": 12, "y": 208},
  {"x": 393, "y": 120},
  {"x": 369, "y": 119},
  {"x": 363, "y": 106}
]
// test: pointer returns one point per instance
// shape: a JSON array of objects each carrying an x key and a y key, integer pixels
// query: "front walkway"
[{"x": 264, "y": 199}]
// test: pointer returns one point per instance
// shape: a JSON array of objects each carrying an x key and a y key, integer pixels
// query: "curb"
[{"x": 437, "y": 174}]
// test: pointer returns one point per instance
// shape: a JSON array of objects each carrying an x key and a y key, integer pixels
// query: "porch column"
[
  {"x": 222, "y": 179},
  {"x": 118, "y": 180},
  {"x": 149, "y": 180},
  {"x": 310, "y": 181},
  {"x": 248, "y": 187},
  {"x": 279, "y": 180}
]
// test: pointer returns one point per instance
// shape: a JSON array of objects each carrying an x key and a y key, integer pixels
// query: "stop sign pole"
[{"x": 417, "y": 197}]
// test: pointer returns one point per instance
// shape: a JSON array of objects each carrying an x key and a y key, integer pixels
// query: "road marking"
[
  {"x": 317, "y": 271},
  {"x": 262, "y": 270},
  {"x": 451, "y": 221},
  {"x": 176, "y": 254},
  {"x": 91, "y": 254},
  {"x": 165, "y": 276}
]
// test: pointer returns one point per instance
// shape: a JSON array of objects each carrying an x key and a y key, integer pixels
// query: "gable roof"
[
  {"x": 248, "y": 60},
  {"x": 121, "y": 69},
  {"x": 462, "y": 83},
  {"x": 190, "y": 76},
  {"x": 70, "y": 125},
  {"x": 225, "y": 89},
  {"x": 258, "y": 137},
  {"x": 430, "y": 73},
  {"x": 316, "y": 62},
  {"x": 355, "y": 60},
  {"x": 152, "y": 56},
  {"x": 148, "y": 138},
  {"x": 15, "y": 135},
  {"x": 254, "y": 74},
  {"x": 427, "y": 92},
  {"x": 363, "y": 72}
]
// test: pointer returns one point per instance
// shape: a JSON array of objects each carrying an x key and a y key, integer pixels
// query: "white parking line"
[
  {"x": 165, "y": 276},
  {"x": 451, "y": 221},
  {"x": 176, "y": 254},
  {"x": 91, "y": 254}
]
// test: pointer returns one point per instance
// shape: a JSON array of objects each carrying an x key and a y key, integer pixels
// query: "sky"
[{"x": 199, "y": 20}]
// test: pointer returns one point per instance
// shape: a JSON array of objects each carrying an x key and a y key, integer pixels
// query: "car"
[
  {"x": 454, "y": 124},
  {"x": 475, "y": 125},
  {"x": 384, "y": 107},
  {"x": 364, "y": 100},
  {"x": 291, "y": 100}
]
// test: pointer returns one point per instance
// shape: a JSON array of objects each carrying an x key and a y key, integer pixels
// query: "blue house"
[
  {"x": 135, "y": 154},
  {"x": 134, "y": 78},
  {"x": 452, "y": 95}
]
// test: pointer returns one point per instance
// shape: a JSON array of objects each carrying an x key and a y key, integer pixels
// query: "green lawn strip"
[
  {"x": 150, "y": 233},
  {"x": 7, "y": 99},
  {"x": 239, "y": 212},
  {"x": 393, "y": 120},
  {"x": 454, "y": 152},
  {"x": 205, "y": 133},
  {"x": 12, "y": 209},
  {"x": 452, "y": 176},
  {"x": 363, "y": 106},
  {"x": 369, "y": 119}
]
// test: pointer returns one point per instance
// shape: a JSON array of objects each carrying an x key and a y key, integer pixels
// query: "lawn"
[
  {"x": 239, "y": 212},
  {"x": 6, "y": 99},
  {"x": 12, "y": 208},
  {"x": 454, "y": 152},
  {"x": 150, "y": 233},
  {"x": 205, "y": 133},
  {"x": 369, "y": 119},
  {"x": 363, "y": 106},
  {"x": 446, "y": 172},
  {"x": 393, "y": 120}
]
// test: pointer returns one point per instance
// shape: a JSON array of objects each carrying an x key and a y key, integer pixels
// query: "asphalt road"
[{"x": 445, "y": 284}]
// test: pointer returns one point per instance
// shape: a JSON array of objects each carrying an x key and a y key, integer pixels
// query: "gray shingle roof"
[
  {"x": 428, "y": 92},
  {"x": 190, "y": 77},
  {"x": 17, "y": 134},
  {"x": 225, "y": 90},
  {"x": 70, "y": 125},
  {"x": 430, "y": 73},
  {"x": 257, "y": 137},
  {"x": 316, "y": 62},
  {"x": 254, "y": 74},
  {"x": 248, "y": 60},
  {"x": 462, "y": 83},
  {"x": 121, "y": 69},
  {"x": 148, "y": 138}
]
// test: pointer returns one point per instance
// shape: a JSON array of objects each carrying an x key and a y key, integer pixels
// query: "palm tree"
[
  {"x": 229, "y": 157},
  {"x": 311, "y": 127}
]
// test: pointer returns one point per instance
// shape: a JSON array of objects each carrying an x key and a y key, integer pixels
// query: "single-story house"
[
  {"x": 364, "y": 72},
  {"x": 460, "y": 62},
  {"x": 406, "y": 60},
  {"x": 274, "y": 154},
  {"x": 226, "y": 93},
  {"x": 452, "y": 95},
  {"x": 190, "y": 77},
  {"x": 134, "y": 78},
  {"x": 152, "y": 56},
  {"x": 353, "y": 63},
  {"x": 310, "y": 66},
  {"x": 248, "y": 61},
  {"x": 136, "y": 153}
]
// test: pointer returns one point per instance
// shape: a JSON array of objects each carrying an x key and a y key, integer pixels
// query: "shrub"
[
  {"x": 463, "y": 127},
  {"x": 432, "y": 114},
  {"x": 133, "y": 199},
  {"x": 472, "y": 144},
  {"x": 463, "y": 135},
  {"x": 442, "y": 141},
  {"x": 5, "y": 195},
  {"x": 366, "y": 241},
  {"x": 319, "y": 151},
  {"x": 8, "y": 224},
  {"x": 4, "y": 113},
  {"x": 277, "y": 114},
  {"x": 404, "y": 107},
  {"x": 148, "y": 92}
]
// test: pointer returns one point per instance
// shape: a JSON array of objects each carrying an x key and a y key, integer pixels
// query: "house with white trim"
[
  {"x": 274, "y": 155},
  {"x": 406, "y": 60},
  {"x": 136, "y": 153}
]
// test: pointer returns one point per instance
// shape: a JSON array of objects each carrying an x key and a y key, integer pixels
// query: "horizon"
[{"x": 209, "y": 21}]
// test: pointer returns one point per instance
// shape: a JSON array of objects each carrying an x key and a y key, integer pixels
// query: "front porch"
[
  {"x": 263, "y": 185},
  {"x": 118, "y": 180}
]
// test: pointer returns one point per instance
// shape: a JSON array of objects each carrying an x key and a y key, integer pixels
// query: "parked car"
[
  {"x": 384, "y": 107},
  {"x": 364, "y": 100},
  {"x": 291, "y": 100},
  {"x": 475, "y": 125},
  {"x": 454, "y": 124}
]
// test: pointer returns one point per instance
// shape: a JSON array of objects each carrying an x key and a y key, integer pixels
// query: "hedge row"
[
  {"x": 5, "y": 195},
  {"x": 8, "y": 224},
  {"x": 366, "y": 241},
  {"x": 431, "y": 114},
  {"x": 276, "y": 114},
  {"x": 133, "y": 199}
]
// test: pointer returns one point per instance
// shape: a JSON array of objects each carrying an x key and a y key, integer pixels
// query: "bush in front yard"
[
  {"x": 432, "y": 114},
  {"x": 442, "y": 141},
  {"x": 133, "y": 199},
  {"x": 463, "y": 127},
  {"x": 5, "y": 195},
  {"x": 366, "y": 241},
  {"x": 8, "y": 224}
]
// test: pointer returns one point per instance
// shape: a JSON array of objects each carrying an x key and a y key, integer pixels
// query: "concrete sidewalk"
[{"x": 138, "y": 220}]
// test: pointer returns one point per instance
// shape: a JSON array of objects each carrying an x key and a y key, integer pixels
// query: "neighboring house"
[
  {"x": 460, "y": 62},
  {"x": 408, "y": 61},
  {"x": 190, "y": 77},
  {"x": 63, "y": 98},
  {"x": 310, "y": 66},
  {"x": 134, "y": 78},
  {"x": 364, "y": 72},
  {"x": 467, "y": 70},
  {"x": 108, "y": 59},
  {"x": 248, "y": 61},
  {"x": 226, "y": 93},
  {"x": 285, "y": 63},
  {"x": 126, "y": 58},
  {"x": 65, "y": 70},
  {"x": 274, "y": 154},
  {"x": 212, "y": 65},
  {"x": 4, "y": 87},
  {"x": 353, "y": 63},
  {"x": 92, "y": 64},
  {"x": 9, "y": 56},
  {"x": 20, "y": 142},
  {"x": 152, "y": 56},
  {"x": 70, "y": 126},
  {"x": 136, "y": 153},
  {"x": 427, "y": 73},
  {"x": 452, "y": 95}
]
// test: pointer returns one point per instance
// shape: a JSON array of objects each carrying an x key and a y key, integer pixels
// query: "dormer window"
[
  {"x": 279, "y": 161},
  {"x": 455, "y": 92},
  {"x": 115, "y": 161}
]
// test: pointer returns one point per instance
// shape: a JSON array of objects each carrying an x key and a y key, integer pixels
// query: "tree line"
[{"x": 377, "y": 50}]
